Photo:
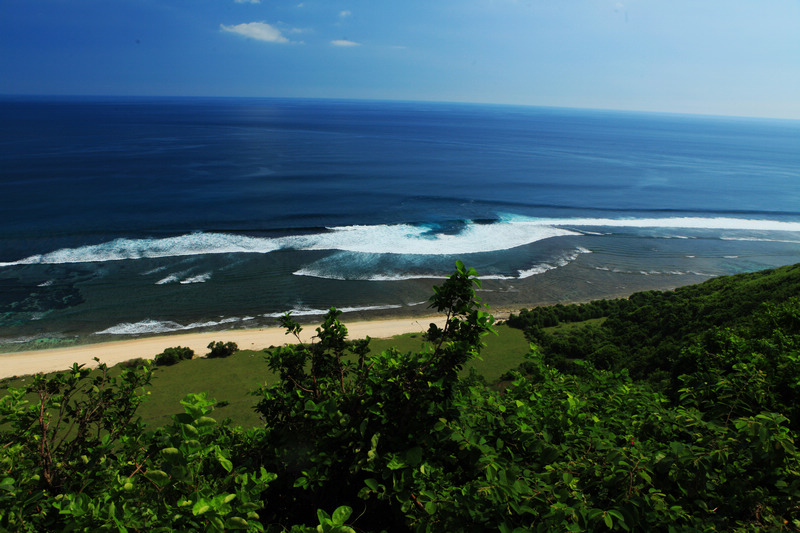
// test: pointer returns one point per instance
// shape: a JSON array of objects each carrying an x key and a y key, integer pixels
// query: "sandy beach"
[{"x": 111, "y": 353}]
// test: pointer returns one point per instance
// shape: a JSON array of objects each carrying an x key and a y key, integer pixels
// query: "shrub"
[
  {"x": 218, "y": 349},
  {"x": 134, "y": 363},
  {"x": 173, "y": 355}
]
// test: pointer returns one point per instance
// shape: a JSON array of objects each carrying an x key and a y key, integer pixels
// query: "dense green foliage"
[
  {"x": 397, "y": 441},
  {"x": 173, "y": 355},
  {"x": 220, "y": 349},
  {"x": 648, "y": 333}
]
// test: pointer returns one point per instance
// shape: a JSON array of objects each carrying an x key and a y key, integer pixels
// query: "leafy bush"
[
  {"x": 173, "y": 355},
  {"x": 134, "y": 363},
  {"x": 218, "y": 349}
]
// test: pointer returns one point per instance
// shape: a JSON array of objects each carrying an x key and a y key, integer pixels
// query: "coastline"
[
  {"x": 115, "y": 352},
  {"x": 570, "y": 284}
]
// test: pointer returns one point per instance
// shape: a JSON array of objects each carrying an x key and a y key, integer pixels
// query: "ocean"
[{"x": 124, "y": 217}]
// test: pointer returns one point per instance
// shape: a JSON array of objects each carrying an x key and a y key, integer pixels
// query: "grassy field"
[{"x": 231, "y": 380}]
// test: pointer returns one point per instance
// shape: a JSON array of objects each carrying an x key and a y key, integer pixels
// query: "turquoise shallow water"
[{"x": 131, "y": 216}]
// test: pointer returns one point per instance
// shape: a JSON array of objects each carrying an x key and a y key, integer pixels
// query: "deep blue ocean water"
[{"x": 140, "y": 215}]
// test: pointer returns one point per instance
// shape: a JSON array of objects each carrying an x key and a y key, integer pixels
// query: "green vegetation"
[
  {"x": 650, "y": 334},
  {"x": 174, "y": 355},
  {"x": 220, "y": 350},
  {"x": 664, "y": 412}
]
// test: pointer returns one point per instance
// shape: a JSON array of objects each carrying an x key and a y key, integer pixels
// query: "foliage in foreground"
[{"x": 397, "y": 442}]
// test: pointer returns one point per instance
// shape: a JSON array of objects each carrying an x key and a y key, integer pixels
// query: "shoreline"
[
  {"x": 570, "y": 284},
  {"x": 23, "y": 363}
]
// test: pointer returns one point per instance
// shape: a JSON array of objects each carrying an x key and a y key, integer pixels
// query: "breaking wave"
[
  {"x": 510, "y": 231},
  {"x": 655, "y": 272},
  {"x": 308, "y": 311},
  {"x": 149, "y": 326}
]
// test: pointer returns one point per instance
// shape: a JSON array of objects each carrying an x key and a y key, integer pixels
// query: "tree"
[{"x": 344, "y": 425}]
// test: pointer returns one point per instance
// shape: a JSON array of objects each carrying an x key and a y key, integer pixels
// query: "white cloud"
[
  {"x": 344, "y": 42},
  {"x": 260, "y": 31},
  {"x": 345, "y": 13},
  {"x": 247, "y": 1}
]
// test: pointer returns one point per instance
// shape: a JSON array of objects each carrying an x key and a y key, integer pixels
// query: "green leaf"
[
  {"x": 217, "y": 523},
  {"x": 225, "y": 463},
  {"x": 607, "y": 519},
  {"x": 172, "y": 455},
  {"x": 201, "y": 506},
  {"x": 341, "y": 514},
  {"x": 414, "y": 456},
  {"x": 159, "y": 477},
  {"x": 205, "y": 421},
  {"x": 236, "y": 522},
  {"x": 323, "y": 518},
  {"x": 396, "y": 464},
  {"x": 372, "y": 483}
]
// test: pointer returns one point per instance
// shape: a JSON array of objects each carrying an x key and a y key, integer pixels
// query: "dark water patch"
[{"x": 18, "y": 296}]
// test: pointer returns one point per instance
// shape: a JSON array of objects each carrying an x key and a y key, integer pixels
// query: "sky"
[{"x": 723, "y": 57}]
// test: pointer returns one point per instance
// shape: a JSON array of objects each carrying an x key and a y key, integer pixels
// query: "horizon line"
[{"x": 43, "y": 96}]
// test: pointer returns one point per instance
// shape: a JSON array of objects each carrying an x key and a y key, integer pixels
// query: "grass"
[
  {"x": 569, "y": 327},
  {"x": 228, "y": 380},
  {"x": 503, "y": 351},
  {"x": 231, "y": 380}
]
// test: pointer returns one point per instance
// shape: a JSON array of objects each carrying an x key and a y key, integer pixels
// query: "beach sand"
[{"x": 111, "y": 353}]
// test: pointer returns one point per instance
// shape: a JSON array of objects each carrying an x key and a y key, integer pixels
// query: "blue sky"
[{"x": 730, "y": 57}]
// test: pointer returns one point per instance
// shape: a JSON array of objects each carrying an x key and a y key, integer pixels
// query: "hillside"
[{"x": 647, "y": 332}]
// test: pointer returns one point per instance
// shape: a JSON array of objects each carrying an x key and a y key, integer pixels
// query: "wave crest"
[{"x": 510, "y": 231}]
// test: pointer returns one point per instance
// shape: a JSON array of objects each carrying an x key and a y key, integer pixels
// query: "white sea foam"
[
  {"x": 719, "y": 223},
  {"x": 521, "y": 274},
  {"x": 654, "y": 272},
  {"x": 155, "y": 270},
  {"x": 183, "y": 245},
  {"x": 416, "y": 240},
  {"x": 311, "y": 272},
  {"x": 201, "y": 278},
  {"x": 509, "y": 232},
  {"x": 560, "y": 262},
  {"x": 759, "y": 239},
  {"x": 172, "y": 278},
  {"x": 149, "y": 326},
  {"x": 379, "y": 239},
  {"x": 184, "y": 278},
  {"x": 47, "y": 283},
  {"x": 308, "y": 311}
]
